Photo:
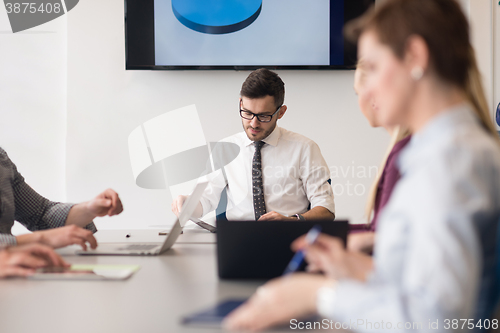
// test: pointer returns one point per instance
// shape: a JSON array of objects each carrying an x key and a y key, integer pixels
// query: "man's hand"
[
  {"x": 278, "y": 301},
  {"x": 177, "y": 204},
  {"x": 24, "y": 260},
  {"x": 68, "y": 235},
  {"x": 273, "y": 216},
  {"x": 60, "y": 237},
  {"x": 106, "y": 203},
  {"x": 316, "y": 213}
]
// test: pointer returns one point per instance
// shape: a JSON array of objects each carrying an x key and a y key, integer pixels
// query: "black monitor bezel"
[{"x": 140, "y": 51}]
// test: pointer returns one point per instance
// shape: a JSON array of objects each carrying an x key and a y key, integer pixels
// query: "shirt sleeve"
[
  {"x": 211, "y": 196},
  {"x": 325, "y": 301},
  {"x": 7, "y": 240},
  {"x": 36, "y": 212},
  {"x": 315, "y": 176}
]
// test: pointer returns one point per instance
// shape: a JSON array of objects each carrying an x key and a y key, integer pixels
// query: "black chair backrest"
[{"x": 489, "y": 292}]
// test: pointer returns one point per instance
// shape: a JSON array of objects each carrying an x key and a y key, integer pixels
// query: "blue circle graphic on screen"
[{"x": 216, "y": 16}]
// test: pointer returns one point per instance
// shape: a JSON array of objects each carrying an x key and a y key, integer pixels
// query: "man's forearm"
[
  {"x": 319, "y": 213},
  {"x": 80, "y": 215},
  {"x": 35, "y": 237}
]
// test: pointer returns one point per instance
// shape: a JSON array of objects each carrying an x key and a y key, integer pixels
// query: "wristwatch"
[{"x": 300, "y": 217}]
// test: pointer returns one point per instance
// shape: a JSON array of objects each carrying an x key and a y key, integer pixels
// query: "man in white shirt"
[{"x": 278, "y": 174}]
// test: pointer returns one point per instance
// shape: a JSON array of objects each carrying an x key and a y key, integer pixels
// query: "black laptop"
[{"x": 261, "y": 250}]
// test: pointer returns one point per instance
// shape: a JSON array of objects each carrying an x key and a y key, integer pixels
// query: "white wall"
[
  {"x": 485, "y": 35},
  {"x": 496, "y": 53},
  {"x": 33, "y": 104},
  {"x": 105, "y": 103},
  {"x": 480, "y": 13}
]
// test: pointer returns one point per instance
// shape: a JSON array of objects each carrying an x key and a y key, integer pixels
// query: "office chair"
[
  {"x": 495, "y": 310},
  {"x": 489, "y": 292},
  {"x": 220, "y": 211}
]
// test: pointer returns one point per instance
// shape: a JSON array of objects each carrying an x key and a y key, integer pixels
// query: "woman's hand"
[
  {"x": 60, "y": 237},
  {"x": 24, "y": 260},
  {"x": 361, "y": 241},
  {"x": 328, "y": 255},
  {"x": 68, "y": 235},
  {"x": 278, "y": 302}
]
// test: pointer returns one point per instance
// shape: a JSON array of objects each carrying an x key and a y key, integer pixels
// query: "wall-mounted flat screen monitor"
[{"x": 240, "y": 34}]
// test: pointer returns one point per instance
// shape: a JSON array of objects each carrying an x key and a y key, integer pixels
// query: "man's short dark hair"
[{"x": 263, "y": 82}]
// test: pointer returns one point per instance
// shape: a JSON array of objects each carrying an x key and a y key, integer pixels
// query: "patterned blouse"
[{"x": 18, "y": 201}]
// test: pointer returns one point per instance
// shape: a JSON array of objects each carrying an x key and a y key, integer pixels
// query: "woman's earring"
[{"x": 417, "y": 73}]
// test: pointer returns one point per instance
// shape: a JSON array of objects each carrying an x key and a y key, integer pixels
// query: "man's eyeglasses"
[{"x": 263, "y": 118}]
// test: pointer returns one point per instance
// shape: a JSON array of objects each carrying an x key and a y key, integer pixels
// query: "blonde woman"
[{"x": 361, "y": 237}]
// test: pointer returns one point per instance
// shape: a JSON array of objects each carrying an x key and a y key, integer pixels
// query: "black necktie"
[{"x": 259, "y": 206}]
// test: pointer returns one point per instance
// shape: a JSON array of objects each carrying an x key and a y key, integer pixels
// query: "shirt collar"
[
  {"x": 439, "y": 127},
  {"x": 272, "y": 139}
]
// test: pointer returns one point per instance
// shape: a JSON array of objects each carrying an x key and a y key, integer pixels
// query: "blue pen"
[{"x": 298, "y": 258}]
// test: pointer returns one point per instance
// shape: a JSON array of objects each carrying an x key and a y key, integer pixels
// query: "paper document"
[{"x": 86, "y": 272}]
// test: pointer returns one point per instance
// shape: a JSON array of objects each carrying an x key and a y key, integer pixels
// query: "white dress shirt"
[
  {"x": 428, "y": 256},
  {"x": 294, "y": 175}
]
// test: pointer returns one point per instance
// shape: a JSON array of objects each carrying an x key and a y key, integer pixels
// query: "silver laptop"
[{"x": 141, "y": 249}]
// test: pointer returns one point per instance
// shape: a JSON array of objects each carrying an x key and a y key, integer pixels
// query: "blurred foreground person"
[
  {"x": 362, "y": 236},
  {"x": 25, "y": 259},
  {"x": 437, "y": 235},
  {"x": 53, "y": 224}
]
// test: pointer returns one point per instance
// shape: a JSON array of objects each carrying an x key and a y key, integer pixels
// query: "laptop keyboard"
[{"x": 139, "y": 247}]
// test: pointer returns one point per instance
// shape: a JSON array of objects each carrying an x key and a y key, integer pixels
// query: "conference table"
[{"x": 167, "y": 287}]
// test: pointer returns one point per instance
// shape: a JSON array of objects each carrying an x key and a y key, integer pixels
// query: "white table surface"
[
  {"x": 181, "y": 281},
  {"x": 178, "y": 282}
]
